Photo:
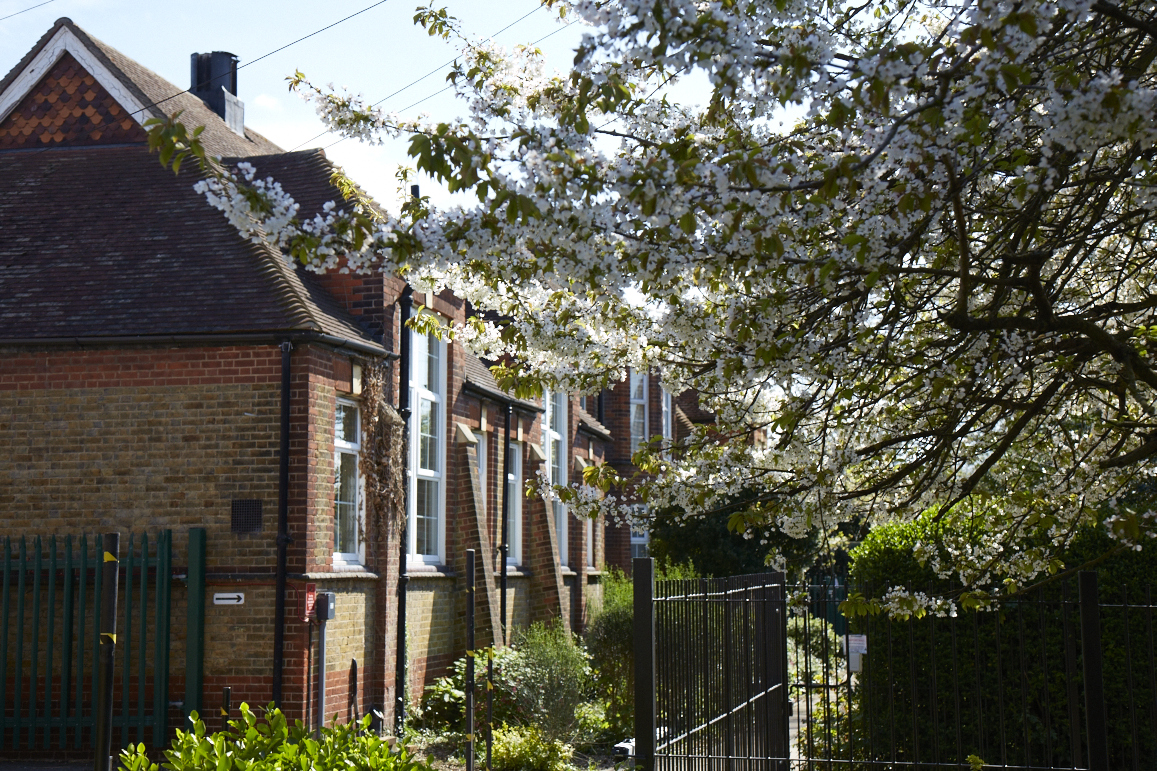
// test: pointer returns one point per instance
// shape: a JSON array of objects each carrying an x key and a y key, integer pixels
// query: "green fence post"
[
  {"x": 161, "y": 658},
  {"x": 195, "y": 640},
  {"x": 125, "y": 720},
  {"x": 49, "y": 717},
  {"x": 107, "y": 624},
  {"x": 4, "y": 642}
]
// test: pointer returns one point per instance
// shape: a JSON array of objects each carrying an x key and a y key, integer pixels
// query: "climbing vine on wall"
[{"x": 381, "y": 460}]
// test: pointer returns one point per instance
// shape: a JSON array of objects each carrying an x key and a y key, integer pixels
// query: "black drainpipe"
[
  {"x": 404, "y": 304},
  {"x": 283, "y": 539},
  {"x": 505, "y": 513}
]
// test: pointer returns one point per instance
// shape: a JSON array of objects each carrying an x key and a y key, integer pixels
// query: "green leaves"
[
  {"x": 267, "y": 742},
  {"x": 174, "y": 143},
  {"x": 436, "y": 21}
]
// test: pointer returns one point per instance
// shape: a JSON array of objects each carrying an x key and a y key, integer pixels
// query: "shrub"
[
  {"x": 1012, "y": 658},
  {"x": 525, "y": 748},
  {"x": 540, "y": 680},
  {"x": 610, "y": 638},
  {"x": 444, "y": 702},
  {"x": 549, "y": 678},
  {"x": 270, "y": 743}
]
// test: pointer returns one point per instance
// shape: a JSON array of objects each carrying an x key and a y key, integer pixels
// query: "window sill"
[
  {"x": 352, "y": 572},
  {"x": 514, "y": 571},
  {"x": 429, "y": 571},
  {"x": 567, "y": 570}
]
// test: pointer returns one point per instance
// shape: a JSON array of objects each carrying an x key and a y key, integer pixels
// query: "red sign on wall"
[{"x": 310, "y": 598}]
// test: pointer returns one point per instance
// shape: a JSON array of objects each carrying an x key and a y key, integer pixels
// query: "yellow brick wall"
[{"x": 91, "y": 460}]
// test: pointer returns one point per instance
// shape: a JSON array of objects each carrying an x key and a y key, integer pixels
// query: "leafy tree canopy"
[{"x": 935, "y": 288}]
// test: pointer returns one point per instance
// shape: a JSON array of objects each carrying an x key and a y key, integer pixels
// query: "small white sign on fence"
[{"x": 855, "y": 646}]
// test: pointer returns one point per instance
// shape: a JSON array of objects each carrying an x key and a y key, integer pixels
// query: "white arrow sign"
[{"x": 233, "y": 598}]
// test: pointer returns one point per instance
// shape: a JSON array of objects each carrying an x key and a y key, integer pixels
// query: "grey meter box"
[{"x": 325, "y": 609}]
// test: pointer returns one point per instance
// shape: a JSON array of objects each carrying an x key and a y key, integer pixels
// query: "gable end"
[
  {"x": 68, "y": 107},
  {"x": 43, "y": 60}
]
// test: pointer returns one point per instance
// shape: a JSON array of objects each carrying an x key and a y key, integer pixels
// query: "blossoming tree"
[{"x": 933, "y": 287}]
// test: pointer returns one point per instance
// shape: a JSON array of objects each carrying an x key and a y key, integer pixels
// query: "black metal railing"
[
  {"x": 751, "y": 673},
  {"x": 719, "y": 672},
  {"x": 1027, "y": 685}
]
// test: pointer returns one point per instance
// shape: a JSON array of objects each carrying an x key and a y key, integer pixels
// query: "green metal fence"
[{"x": 50, "y": 599}]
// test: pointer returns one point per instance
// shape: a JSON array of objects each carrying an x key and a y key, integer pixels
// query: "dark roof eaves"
[
  {"x": 501, "y": 397},
  {"x": 272, "y": 337}
]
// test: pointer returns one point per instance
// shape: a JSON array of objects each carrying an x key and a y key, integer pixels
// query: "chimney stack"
[{"x": 213, "y": 78}]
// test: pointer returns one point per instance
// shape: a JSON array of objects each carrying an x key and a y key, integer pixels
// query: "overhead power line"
[
  {"x": 440, "y": 91},
  {"x": 317, "y": 32},
  {"x": 271, "y": 53},
  {"x": 26, "y": 10},
  {"x": 412, "y": 83}
]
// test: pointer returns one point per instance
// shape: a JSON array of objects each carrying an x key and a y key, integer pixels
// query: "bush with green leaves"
[
  {"x": 610, "y": 639},
  {"x": 268, "y": 742},
  {"x": 444, "y": 702},
  {"x": 1010, "y": 659},
  {"x": 543, "y": 679},
  {"x": 550, "y": 678},
  {"x": 525, "y": 748}
]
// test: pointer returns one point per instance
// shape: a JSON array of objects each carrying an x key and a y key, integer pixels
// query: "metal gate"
[
  {"x": 748, "y": 673},
  {"x": 710, "y": 672},
  {"x": 50, "y": 601}
]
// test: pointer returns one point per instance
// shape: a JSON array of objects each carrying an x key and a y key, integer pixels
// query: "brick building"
[
  {"x": 635, "y": 412},
  {"x": 153, "y": 365}
]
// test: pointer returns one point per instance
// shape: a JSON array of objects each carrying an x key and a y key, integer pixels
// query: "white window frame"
[
  {"x": 513, "y": 489},
  {"x": 638, "y": 440},
  {"x": 640, "y": 536},
  {"x": 549, "y": 439},
  {"x": 342, "y": 447},
  {"x": 668, "y": 418},
  {"x": 419, "y": 345},
  {"x": 589, "y": 528}
]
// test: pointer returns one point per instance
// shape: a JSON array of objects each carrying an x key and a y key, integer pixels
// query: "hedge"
[{"x": 997, "y": 683}]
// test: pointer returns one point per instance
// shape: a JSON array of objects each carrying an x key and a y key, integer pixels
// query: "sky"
[{"x": 375, "y": 54}]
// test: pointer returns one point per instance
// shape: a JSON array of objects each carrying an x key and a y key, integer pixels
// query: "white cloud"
[{"x": 267, "y": 102}]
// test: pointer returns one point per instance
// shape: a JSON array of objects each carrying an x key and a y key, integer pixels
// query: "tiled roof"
[
  {"x": 304, "y": 174},
  {"x": 688, "y": 403},
  {"x": 156, "y": 95},
  {"x": 589, "y": 422},
  {"x": 68, "y": 107},
  {"x": 104, "y": 241},
  {"x": 479, "y": 376}
]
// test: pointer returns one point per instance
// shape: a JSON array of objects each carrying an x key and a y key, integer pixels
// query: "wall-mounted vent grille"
[{"x": 246, "y": 515}]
